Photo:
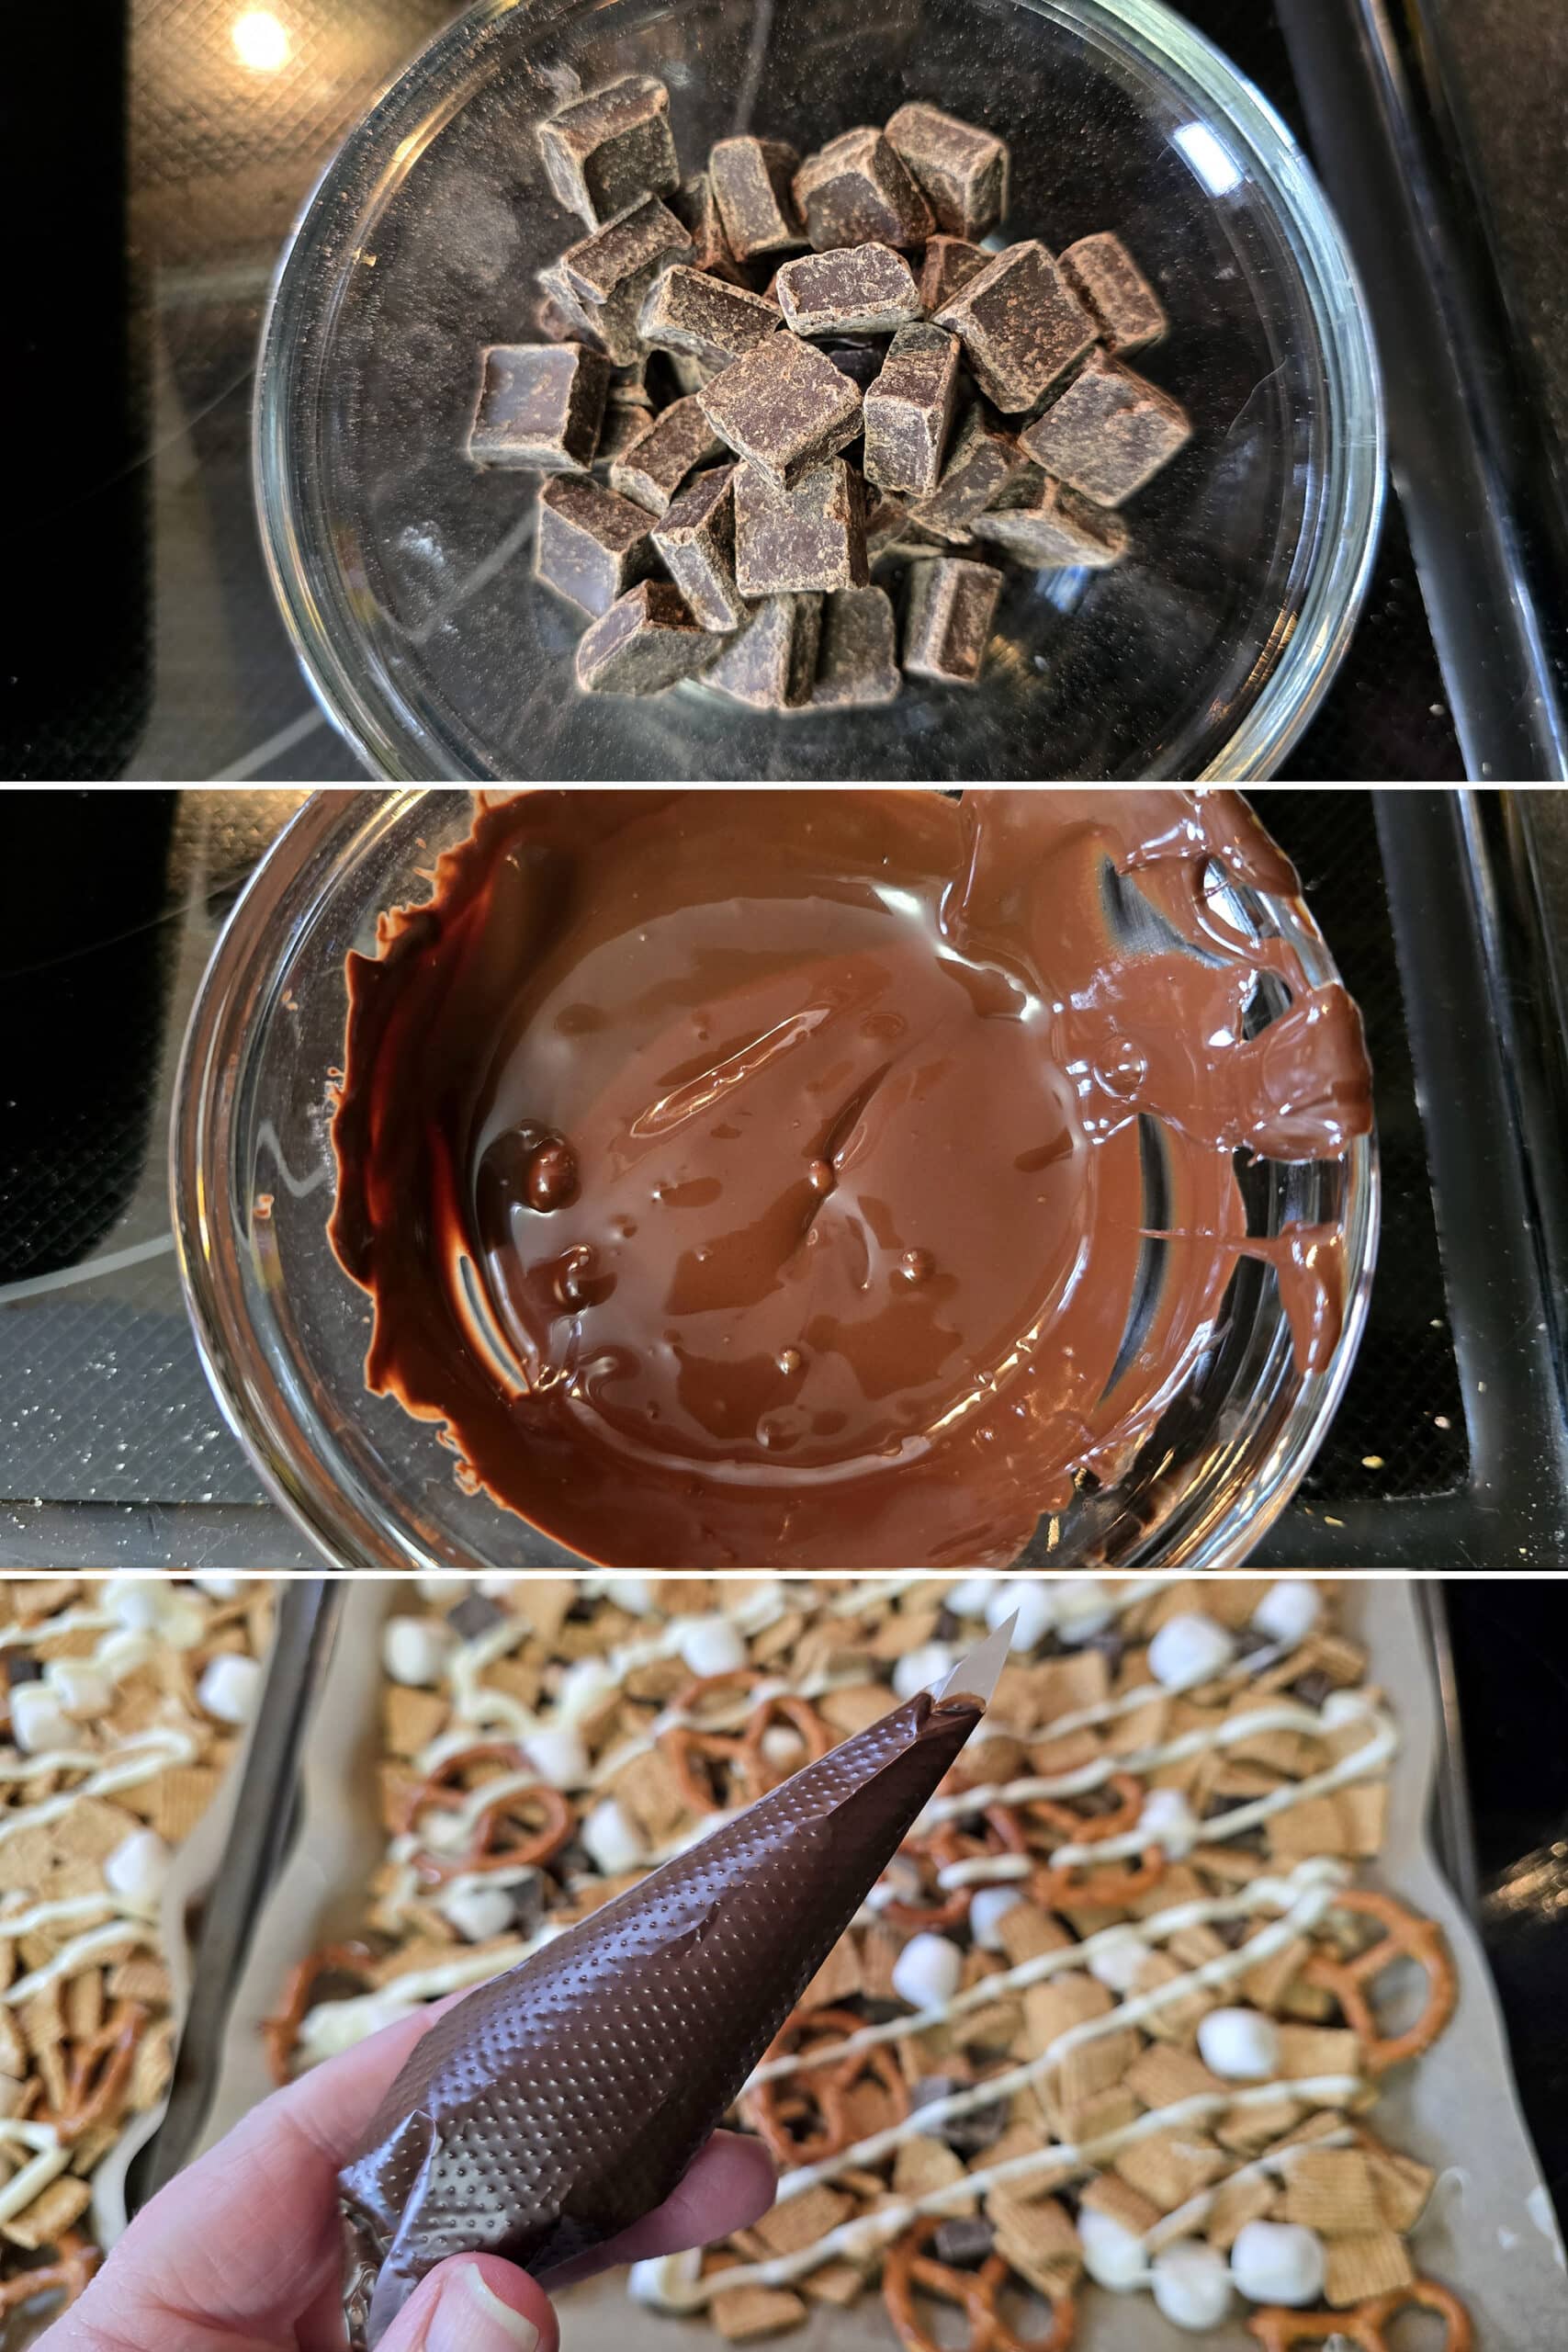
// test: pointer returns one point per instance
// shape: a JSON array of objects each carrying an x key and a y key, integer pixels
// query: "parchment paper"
[{"x": 1488, "y": 2233}]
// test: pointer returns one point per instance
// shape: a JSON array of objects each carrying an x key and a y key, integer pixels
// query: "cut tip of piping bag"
[{"x": 977, "y": 1674}]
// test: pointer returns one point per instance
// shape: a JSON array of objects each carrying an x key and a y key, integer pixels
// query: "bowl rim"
[
  {"x": 364, "y": 704},
  {"x": 253, "y": 944}
]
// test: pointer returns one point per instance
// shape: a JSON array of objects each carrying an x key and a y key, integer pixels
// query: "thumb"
[{"x": 475, "y": 2304}]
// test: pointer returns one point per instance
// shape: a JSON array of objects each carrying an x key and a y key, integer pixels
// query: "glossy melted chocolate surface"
[
  {"x": 557, "y": 2105},
  {"x": 764, "y": 1178}
]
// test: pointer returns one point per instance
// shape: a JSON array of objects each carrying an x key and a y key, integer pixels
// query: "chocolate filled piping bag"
[{"x": 556, "y": 2106}]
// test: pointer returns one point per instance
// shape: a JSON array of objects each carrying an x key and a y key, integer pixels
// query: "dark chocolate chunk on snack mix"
[{"x": 756, "y": 382}]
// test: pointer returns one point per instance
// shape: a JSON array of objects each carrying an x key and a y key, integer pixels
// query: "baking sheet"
[{"x": 1489, "y": 2231}]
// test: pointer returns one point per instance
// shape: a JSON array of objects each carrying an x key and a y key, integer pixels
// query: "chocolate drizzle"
[
  {"x": 654, "y": 1113},
  {"x": 557, "y": 2105}
]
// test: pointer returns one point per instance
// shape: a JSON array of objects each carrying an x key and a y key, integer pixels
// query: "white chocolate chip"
[
  {"x": 1288, "y": 1610},
  {"x": 987, "y": 1912},
  {"x": 82, "y": 1687},
  {"x": 415, "y": 1649},
  {"x": 612, "y": 1840},
  {"x": 972, "y": 1598},
  {"x": 712, "y": 1645},
  {"x": 1031, "y": 1603},
  {"x": 136, "y": 1869},
  {"x": 1278, "y": 2262},
  {"x": 37, "y": 1720},
  {"x": 1119, "y": 1962},
  {"x": 928, "y": 1971},
  {"x": 1191, "y": 2285},
  {"x": 1189, "y": 1649},
  {"x": 478, "y": 1912},
  {"x": 558, "y": 1755},
  {"x": 918, "y": 1670},
  {"x": 228, "y": 1687},
  {"x": 1112, "y": 2254},
  {"x": 1243, "y": 2046}
]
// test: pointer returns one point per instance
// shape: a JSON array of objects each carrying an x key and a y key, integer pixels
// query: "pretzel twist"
[
  {"x": 1058, "y": 1888},
  {"x": 687, "y": 1745},
  {"x": 74, "y": 2265},
  {"x": 907, "y": 2271},
  {"x": 1365, "y": 2324},
  {"x": 281, "y": 2031},
  {"x": 1087, "y": 1828},
  {"x": 771, "y": 2108},
  {"x": 100, "y": 2071},
  {"x": 486, "y": 1851},
  {"x": 943, "y": 1848},
  {"x": 1406, "y": 1935}
]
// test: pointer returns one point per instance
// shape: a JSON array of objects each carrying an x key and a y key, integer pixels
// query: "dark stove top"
[{"x": 165, "y": 657}]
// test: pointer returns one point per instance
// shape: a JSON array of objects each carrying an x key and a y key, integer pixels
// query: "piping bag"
[{"x": 559, "y": 2103}]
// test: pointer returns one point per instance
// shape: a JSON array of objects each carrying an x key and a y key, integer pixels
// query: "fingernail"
[{"x": 470, "y": 2316}]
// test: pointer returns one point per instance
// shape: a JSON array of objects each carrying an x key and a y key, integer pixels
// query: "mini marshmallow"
[
  {"x": 1342, "y": 1707},
  {"x": 987, "y": 1912},
  {"x": 712, "y": 1645},
  {"x": 1189, "y": 1649},
  {"x": 136, "y": 1869},
  {"x": 1278, "y": 2262},
  {"x": 81, "y": 1685},
  {"x": 972, "y": 1597},
  {"x": 37, "y": 1720},
  {"x": 1288, "y": 1610},
  {"x": 928, "y": 1971},
  {"x": 1112, "y": 2254},
  {"x": 1084, "y": 1608},
  {"x": 1241, "y": 2044},
  {"x": 413, "y": 1650},
  {"x": 478, "y": 1912},
  {"x": 228, "y": 1687},
  {"x": 1191, "y": 2285},
  {"x": 659, "y": 2280},
  {"x": 1119, "y": 1962},
  {"x": 1031, "y": 1602},
  {"x": 217, "y": 1588},
  {"x": 918, "y": 1670},
  {"x": 496, "y": 1588},
  {"x": 443, "y": 1592},
  {"x": 585, "y": 1685},
  {"x": 558, "y": 1755},
  {"x": 633, "y": 1594},
  {"x": 155, "y": 1604},
  {"x": 1169, "y": 1821},
  {"x": 783, "y": 1747},
  {"x": 612, "y": 1840}
]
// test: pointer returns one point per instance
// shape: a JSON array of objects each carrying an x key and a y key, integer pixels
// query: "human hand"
[{"x": 243, "y": 2253}]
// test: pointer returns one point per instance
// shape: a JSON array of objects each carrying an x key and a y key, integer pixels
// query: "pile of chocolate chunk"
[{"x": 763, "y": 385}]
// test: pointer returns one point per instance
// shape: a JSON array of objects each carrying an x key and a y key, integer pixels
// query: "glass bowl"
[
  {"x": 282, "y": 1330},
  {"x": 406, "y": 576}
]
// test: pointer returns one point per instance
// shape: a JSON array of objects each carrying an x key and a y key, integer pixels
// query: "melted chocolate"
[
  {"x": 759, "y": 1177},
  {"x": 557, "y": 2105}
]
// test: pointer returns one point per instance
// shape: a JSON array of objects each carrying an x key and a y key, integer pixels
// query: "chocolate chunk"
[
  {"x": 1109, "y": 1644},
  {"x": 810, "y": 538},
  {"x": 622, "y": 428},
  {"x": 783, "y": 405},
  {"x": 947, "y": 1627},
  {"x": 695, "y": 207},
  {"x": 891, "y": 530},
  {"x": 475, "y": 1616},
  {"x": 539, "y": 405},
  {"x": 966, "y": 2135},
  {"x": 1021, "y": 324},
  {"x": 950, "y": 263},
  {"x": 982, "y": 457},
  {"x": 686, "y": 311},
  {"x": 854, "y": 191},
  {"x": 963, "y": 2242},
  {"x": 1250, "y": 1643},
  {"x": 857, "y": 660},
  {"x": 1313, "y": 1687},
  {"x": 1041, "y": 522},
  {"x": 772, "y": 662},
  {"x": 1110, "y": 433},
  {"x": 609, "y": 274},
  {"x": 655, "y": 465},
  {"x": 961, "y": 172},
  {"x": 647, "y": 641},
  {"x": 562, "y": 320},
  {"x": 591, "y": 546},
  {"x": 696, "y": 539},
  {"x": 909, "y": 409},
  {"x": 863, "y": 289},
  {"x": 21, "y": 1666},
  {"x": 1108, "y": 281},
  {"x": 858, "y": 358},
  {"x": 606, "y": 151},
  {"x": 949, "y": 618},
  {"x": 751, "y": 181}
]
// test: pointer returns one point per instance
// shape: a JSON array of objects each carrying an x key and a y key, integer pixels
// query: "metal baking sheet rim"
[{"x": 1489, "y": 2233}]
